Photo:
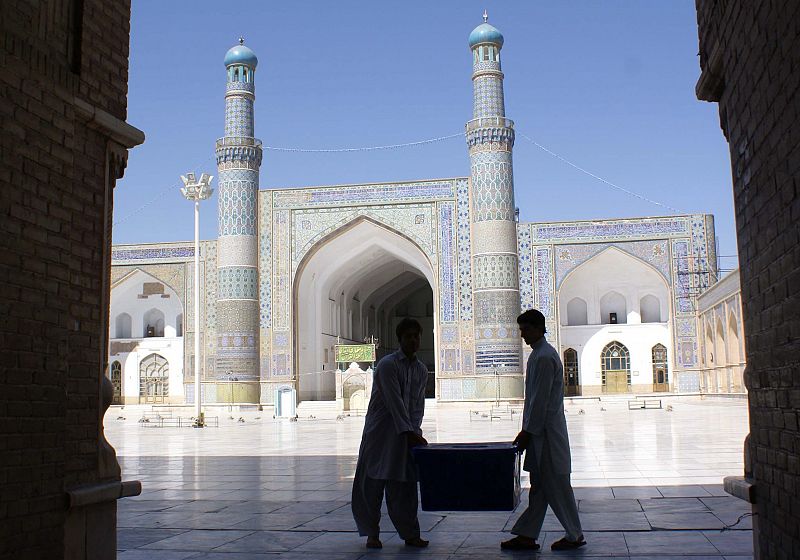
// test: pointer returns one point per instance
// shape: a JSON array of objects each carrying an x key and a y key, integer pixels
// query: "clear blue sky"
[{"x": 608, "y": 85}]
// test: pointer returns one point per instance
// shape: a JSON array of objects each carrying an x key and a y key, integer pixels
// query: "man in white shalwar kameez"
[
  {"x": 545, "y": 440},
  {"x": 393, "y": 426}
]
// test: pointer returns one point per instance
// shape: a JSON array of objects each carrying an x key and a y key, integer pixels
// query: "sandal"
[
  {"x": 566, "y": 544},
  {"x": 416, "y": 542},
  {"x": 519, "y": 543}
]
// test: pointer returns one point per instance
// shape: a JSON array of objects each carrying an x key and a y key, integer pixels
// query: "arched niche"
[
  {"x": 650, "y": 309},
  {"x": 577, "y": 312},
  {"x": 613, "y": 271}
]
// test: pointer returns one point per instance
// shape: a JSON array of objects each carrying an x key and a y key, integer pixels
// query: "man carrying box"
[
  {"x": 393, "y": 426},
  {"x": 545, "y": 440}
]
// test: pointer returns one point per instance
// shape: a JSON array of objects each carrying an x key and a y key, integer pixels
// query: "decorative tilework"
[
  {"x": 495, "y": 271},
  {"x": 525, "y": 267},
  {"x": 704, "y": 270},
  {"x": 238, "y": 189},
  {"x": 686, "y": 353},
  {"x": 356, "y": 195},
  {"x": 447, "y": 263},
  {"x": 492, "y": 186},
  {"x": 237, "y": 283},
  {"x": 655, "y": 253},
  {"x": 449, "y": 359},
  {"x": 209, "y": 280},
  {"x": 495, "y": 307},
  {"x": 236, "y": 343},
  {"x": 451, "y": 390},
  {"x": 265, "y": 260},
  {"x": 281, "y": 270},
  {"x": 470, "y": 387},
  {"x": 118, "y": 256},
  {"x": 234, "y": 314},
  {"x": 686, "y": 326},
  {"x": 448, "y": 334},
  {"x": 543, "y": 279},
  {"x": 249, "y": 87},
  {"x": 401, "y": 218},
  {"x": 237, "y": 250},
  {"x": 487, "y": 96},
  {"x": 496, "y": 236},
  {"x": 238, "y": 115},
  {"x": 609, "y": 230},
  {"x": 682, "y": 280},
  {"x": 464, "y": 251},
  {"x": 491, "y": 359},
  {"x": 486, "y": 66}
]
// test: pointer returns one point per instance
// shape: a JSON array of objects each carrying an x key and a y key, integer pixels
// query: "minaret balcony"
[
  {"x": 238, "y": 141},
  {"x": 489, "y": 122},
  {"x": 490, "y": 130}
]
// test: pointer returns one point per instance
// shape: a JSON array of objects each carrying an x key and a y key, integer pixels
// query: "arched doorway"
[
  {"x": 355, "y": 285},
  {"x": 116, "y": 381},
  {"x": 571, "y": 386},
  {"x": 660, "y": 368},
  {"x": 153, "y": 379},
  {"x": 615, "y": 362}
]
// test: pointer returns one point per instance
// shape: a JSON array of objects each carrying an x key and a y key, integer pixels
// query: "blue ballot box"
[{"x": 468, "y": 476}]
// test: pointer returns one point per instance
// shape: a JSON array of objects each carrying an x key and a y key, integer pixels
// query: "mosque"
[{"x": 295, "y": 272}]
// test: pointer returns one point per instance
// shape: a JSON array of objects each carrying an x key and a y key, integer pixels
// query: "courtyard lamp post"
[{"x": 197, "y": 190}]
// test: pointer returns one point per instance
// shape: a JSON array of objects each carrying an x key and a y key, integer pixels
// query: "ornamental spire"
[
  {"x": 485, "y": 16},
  {"x": 241, "y": 40}
]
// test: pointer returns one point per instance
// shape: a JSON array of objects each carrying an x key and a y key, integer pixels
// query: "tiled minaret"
[
  {"x": 238, "y": 161},
  {"x": 490, "y": 138}
]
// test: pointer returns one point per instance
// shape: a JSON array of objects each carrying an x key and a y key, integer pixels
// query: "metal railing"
[
  {"x": 489, "y": 122},
  {"x": 238, "y": 141}
]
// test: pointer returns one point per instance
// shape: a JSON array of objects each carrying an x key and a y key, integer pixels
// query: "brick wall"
[
  {"x": 750, "y": 61},
  {"x": 53, "y": 238}
]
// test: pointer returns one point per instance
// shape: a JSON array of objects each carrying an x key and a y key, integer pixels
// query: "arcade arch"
[{"x": 358, "y": 283}]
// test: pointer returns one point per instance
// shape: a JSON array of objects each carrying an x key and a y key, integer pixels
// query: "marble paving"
[{"x": 648, "y": 484}]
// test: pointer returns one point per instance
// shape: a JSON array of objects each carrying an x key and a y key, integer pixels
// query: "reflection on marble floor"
[{"x": 648, "y": 484}]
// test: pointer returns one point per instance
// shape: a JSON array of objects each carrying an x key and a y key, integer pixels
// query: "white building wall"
[
  {"x": 614, "y": 281},
  {"x": 136, "y": 295},
  {"x": 589, "y": 341}
]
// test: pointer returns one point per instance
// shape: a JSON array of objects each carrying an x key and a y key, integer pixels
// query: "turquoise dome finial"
[
  {"x": 240, "y": 54},
  {"x": 485, "y": 33}
]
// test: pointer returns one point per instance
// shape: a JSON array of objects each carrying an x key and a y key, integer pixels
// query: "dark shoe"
[
  {"x": 374, "y": 542},
  {"x": 566, "y": 544},
  {"x": 416, "y": 542},
  {"x": 519, "y": 543}
]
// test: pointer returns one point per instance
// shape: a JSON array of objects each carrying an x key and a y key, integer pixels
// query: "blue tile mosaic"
[
  {"x": 622, "y": 229},
  {"x": 152, "y": 253},
  {"x": 464, "y": 251},
  {"x": 447, "y": 289},
  {"x": 364, "y": 194}
]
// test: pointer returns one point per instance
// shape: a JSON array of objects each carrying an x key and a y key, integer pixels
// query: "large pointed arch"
[{"x": 362, "y": 259}]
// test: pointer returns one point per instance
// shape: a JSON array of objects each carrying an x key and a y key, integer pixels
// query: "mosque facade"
[{"x": 294, "y": 272}]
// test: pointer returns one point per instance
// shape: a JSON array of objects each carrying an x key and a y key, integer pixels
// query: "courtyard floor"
[{"x": 649, "y": 485}]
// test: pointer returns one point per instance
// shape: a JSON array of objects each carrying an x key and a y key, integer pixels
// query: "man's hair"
[
  {"x": 532, "y": 317},
  {"x": 407, "y": 324}
]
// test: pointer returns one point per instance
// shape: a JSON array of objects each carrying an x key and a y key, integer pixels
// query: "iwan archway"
[{"x": 355, "y": 284}]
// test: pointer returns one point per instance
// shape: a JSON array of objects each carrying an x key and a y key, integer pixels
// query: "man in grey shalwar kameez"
[
  {"x": 391, "y": 428},
  {"x": 545, "y": 440}
]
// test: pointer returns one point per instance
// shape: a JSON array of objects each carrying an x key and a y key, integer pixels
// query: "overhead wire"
[{"x": 561, "y": 158}]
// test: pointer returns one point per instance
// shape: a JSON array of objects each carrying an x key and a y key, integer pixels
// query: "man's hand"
[
  {"x": 415, "y": 440},
  {"x": 522, "y": 440}
]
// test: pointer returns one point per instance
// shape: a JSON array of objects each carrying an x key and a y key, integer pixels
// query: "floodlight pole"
[{"x": 196, "y": 191}]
